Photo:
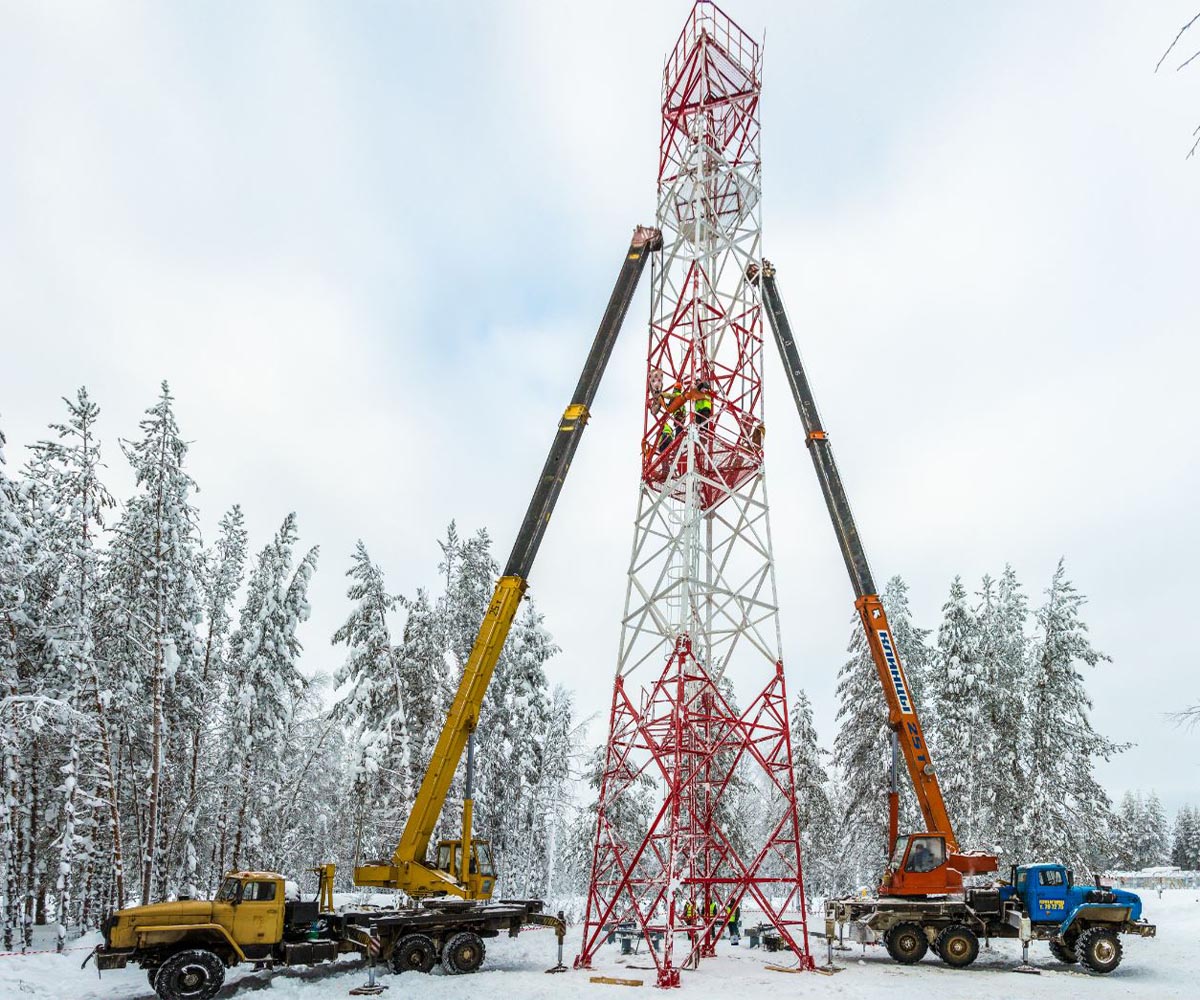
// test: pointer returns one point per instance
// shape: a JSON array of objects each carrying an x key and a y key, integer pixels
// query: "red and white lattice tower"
[{"x": 672, "y": 844}]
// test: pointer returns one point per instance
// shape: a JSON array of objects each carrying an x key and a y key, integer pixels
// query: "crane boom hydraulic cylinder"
[
  {"x": 902, "y": 711},
  {"x": 408, "y": 868}
]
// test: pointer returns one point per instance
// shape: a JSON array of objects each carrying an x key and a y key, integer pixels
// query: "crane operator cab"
[
  {"x": 480, "y": 876},
  {"x": 923, "y": 865}
]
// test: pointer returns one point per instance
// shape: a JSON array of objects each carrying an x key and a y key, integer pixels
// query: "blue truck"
[{"x": 1082, "y": 923}]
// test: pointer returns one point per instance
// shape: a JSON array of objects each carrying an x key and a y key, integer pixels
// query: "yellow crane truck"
[{"x": 185, "y": 946}]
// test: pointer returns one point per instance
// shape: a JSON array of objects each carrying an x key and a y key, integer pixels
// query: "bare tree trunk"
[
  {"x": 11, "y": 855},
  {"x": 244, "y": 798},
  {"x": 67, "y": 853},
  {"x": 30, "y": 823},
  {"x": 89, "y": 874},
  {"x": 109, "y": 779}
]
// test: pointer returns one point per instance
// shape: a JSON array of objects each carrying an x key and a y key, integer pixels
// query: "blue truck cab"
[
  {"x": 1049, "y": 894},
  {"x": 1081, "y": 922}
]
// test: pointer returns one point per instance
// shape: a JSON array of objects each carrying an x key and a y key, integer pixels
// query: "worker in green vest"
[
  {"x": 674, "y": 404},
  {"x": 666, "y": 435},
  {"x": 703, "y": 404}
]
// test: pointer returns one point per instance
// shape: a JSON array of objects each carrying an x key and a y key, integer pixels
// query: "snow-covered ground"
[{"x": 1158, "y": 968}]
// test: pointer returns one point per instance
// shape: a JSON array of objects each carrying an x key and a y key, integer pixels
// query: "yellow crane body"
[{"x": 464, "y": 867}]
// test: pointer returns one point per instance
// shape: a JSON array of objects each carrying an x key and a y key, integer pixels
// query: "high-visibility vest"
[
  {"x": 704, "y": 405},
  {"x": 712, "y": 909},
  {"x": 668, "y": 430},
  {"x": 689, "y": 910}
]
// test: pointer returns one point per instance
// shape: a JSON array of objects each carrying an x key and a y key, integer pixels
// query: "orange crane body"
[{"x": 929, "y": 863}]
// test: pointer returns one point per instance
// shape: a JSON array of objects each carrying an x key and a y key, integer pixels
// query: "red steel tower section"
[{"x": 697, "y": 809}]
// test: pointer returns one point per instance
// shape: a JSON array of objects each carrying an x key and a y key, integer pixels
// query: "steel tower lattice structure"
[{"x": 701, "y": 608}]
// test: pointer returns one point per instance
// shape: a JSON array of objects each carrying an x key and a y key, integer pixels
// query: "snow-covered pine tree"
[
  {"x": 862, "y": 751},
  {"x": 151, "y": 609},
  {"x": 221, "y": 571},
  {"x": 555, "y": 799},
  {"x": 513, "y": 722},
  {"x": 268, "y": 688},
  {"x": 373, "y": 707},
  {"x": 1127, "y": 821},
  {"x": 1067, "y": 811},
  {"x": 20, "y": 646},
  {"x": 1185, "y": 840},
  {"x": 423, "y": 681},
  {"x": 957, "y": 689},
  {"x": 1156, "y": 834},
  {"x": 818, "y": 838},
  {"x": 1002, "y": 613},
  {"x": 65, "y": 474}
]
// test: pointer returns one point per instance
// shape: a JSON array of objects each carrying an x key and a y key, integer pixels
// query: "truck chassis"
[{"x": 951, "y": 927}]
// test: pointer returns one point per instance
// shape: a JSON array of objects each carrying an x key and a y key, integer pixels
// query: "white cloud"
[{"x": 369, "y": 248}]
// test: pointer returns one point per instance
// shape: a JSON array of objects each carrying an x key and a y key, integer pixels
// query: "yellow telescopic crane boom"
[{"x": 409, "y": 868}]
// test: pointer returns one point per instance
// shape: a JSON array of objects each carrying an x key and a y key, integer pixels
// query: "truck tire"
[
  {"x": 957, "y": 946},
  {"x": 190, "y": 975},
  {"x": 1099, "y": 949},
  {"x": 906, "y": 943},
  {"x": 1064, "y": 953},
  {"x": 414, "y": 953},
  {"x": 463, "y": 953}
]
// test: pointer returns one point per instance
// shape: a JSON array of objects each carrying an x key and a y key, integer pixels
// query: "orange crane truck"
[{"x": 921, "y": 902}]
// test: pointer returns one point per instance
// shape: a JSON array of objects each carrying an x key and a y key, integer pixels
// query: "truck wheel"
[
  {"x": 957, "y": 946},
  {"x": 414, "y": 953},
  {"x": 906, "y": 943},
  {"x": 190, "y": 975},
  {"x": 1099, "y": 949},
  {"x": 463, "y": 953},
  {"x": 151, "y": 974},
  {"x": 1064, "y": 953}
]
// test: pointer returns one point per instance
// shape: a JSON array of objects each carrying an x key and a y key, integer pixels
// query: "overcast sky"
[{"x": 368, "y": 245}]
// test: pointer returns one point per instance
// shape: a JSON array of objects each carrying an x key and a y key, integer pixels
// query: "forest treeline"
[{"x": 156, "y": 728}]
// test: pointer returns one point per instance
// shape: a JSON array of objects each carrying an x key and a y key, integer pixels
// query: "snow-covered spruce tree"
[
  {"x": 1156, "y": 835},
  {"x": 312, "y": 818},
  {"x": 373, "y": 709},
  {"x": 512, "y": 719},
  {"x": 147, "y": 643},
  {"x": 957, "y": 689},
  {"x": 554, "y": 807},
  {"x": 1126, "y": 825},
  {"x": 423, "y": 682},
  {"x": 65, "y": 474},
  {"x": 862, "y": 751},
  {"x": 1002, "y": 613},
  {"x": 862, "y": 758},
  {"x": 20, "y": 650},
  {"x": 221, "y": 571},
  {"x": 818, "y": 838},
  {"x": 1185, "y": 840},
  {"x": 1067, "y": 811},
  {"x": 513, "y": 722},
  {"x": 262, "y": 700}
]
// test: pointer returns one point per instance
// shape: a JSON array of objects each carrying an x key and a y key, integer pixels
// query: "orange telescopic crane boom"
[{"x": 946, "y": 874}]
